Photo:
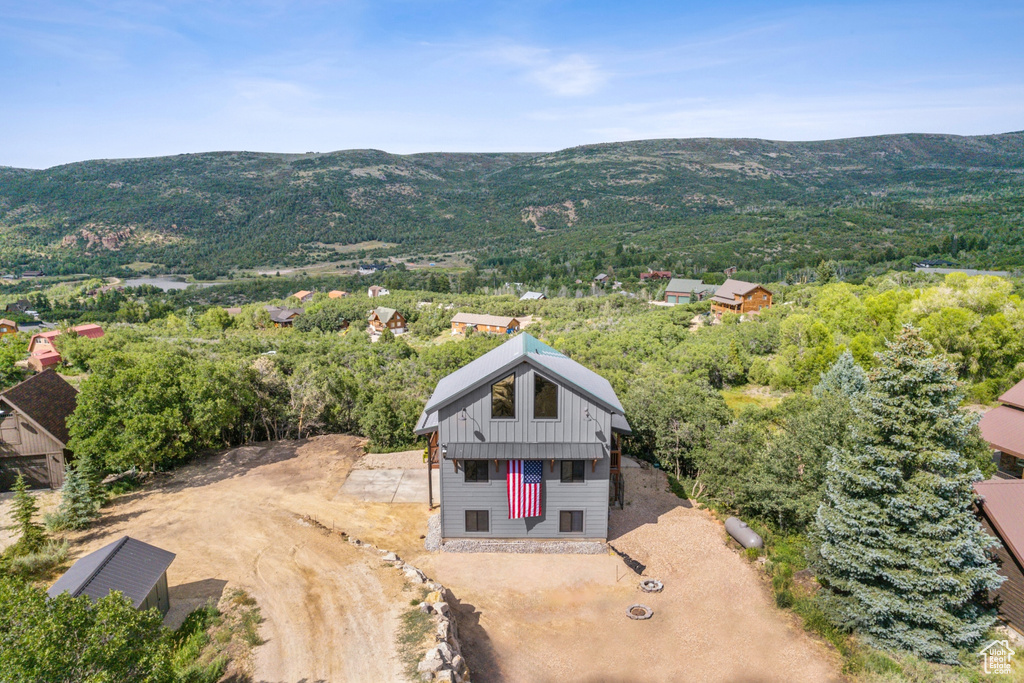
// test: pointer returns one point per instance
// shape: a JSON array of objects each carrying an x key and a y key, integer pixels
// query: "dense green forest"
[{"x": 772, "y": 209}]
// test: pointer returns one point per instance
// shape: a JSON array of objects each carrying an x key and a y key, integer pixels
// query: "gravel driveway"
[{"x": 563, "y": 617}]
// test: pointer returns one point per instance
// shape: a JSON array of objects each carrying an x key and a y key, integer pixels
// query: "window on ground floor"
[
  {"x": 476, "y": 470},
  {"x": 573, "y": 471},
  {"x": 477, "y": 520},
  {"x": 570, "y": 521}
]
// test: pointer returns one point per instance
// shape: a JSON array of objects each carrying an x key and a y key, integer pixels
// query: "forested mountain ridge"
[{"x": 700, "y": 203}]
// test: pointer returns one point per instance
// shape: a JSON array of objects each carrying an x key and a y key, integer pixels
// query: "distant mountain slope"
[{"x": 707, "y": 200}]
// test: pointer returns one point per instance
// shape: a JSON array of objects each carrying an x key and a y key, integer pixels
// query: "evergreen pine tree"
[
  {"x": 845, "y": 377},
  {"x": 77, "y": 505},
  {"x": 902, "y": 559},
  {"x": 825, "y": 272},
  {"x": 23, "y": 513}
]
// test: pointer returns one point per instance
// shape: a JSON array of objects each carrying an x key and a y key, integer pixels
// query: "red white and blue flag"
[{"x": 524, "y": 477}]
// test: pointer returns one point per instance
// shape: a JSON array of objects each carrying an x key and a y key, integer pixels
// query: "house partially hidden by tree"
[
  {"x": 532, "y": 296},
  {"x": 1001, "y": 509},
  {"x": 737, "y": 296},
  {"x": 336, "y": 294},
  {"x": 527, "y": 442},
  {"x": 283, "y": 317},
  {"x": 375, "y": 291},
  {"x": 682, "y": 291},
  {"x": 8, "y": 327},
  {"x": 303, "y": 295},
  {"x": 138, "y": 570},
  {"x": 495, "y": 324},
  {"x": 656, "y": 275},
  {"x": 19, "y": 306},
  {"x": 43, "y": 354},
  {"x": 33, "y": 430},
  {"x": 601, "y": 278},
  {"x": 1003, "y": 428},
  {"x": 384, "y": 318}
]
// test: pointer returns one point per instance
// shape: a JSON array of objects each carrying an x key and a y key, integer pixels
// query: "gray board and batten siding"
[
  {"x": 588, "y": 411},
  {"x": 589, "y": 496}
]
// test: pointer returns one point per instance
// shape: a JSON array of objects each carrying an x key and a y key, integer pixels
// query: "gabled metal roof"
[
  {"x": 524, "y": 348},
  {"x": 126, "y": 565}
]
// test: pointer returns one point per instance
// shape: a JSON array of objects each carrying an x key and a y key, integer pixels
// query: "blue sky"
[{"x": 126, "y": 78}]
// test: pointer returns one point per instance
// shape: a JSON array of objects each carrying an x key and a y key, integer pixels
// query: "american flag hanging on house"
[{"x": 523, "y": 479}]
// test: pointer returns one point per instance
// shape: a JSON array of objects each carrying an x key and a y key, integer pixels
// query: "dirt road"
[
  {"x": 235, "y": 520},
  {"x": 563, "y": 617}
]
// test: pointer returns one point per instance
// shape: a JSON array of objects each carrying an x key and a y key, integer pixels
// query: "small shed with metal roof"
[{"x": 138, "y": 570}]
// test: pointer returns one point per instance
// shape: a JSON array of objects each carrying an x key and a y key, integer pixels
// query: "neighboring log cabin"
[
  {"x": 1001, "y": 509},
  {"x": 495, "y": 324},
  {"x": 737, "y": 296},
  {"x": 8, "y": 327},
  {"x": 384, "y": 318},
  {"x": 1003, "y": 429},
  {"x": 33, "y": 430}
]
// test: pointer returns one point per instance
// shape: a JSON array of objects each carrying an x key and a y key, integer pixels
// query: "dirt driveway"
[
  {"x": 563, "y": 617},
  {"x": 331, "y": 611}
]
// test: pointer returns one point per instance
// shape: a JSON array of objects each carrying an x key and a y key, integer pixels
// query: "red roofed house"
[
  {"x": 656, "y": 275},
  {"x": 1003, "y": 428},
  {"x": 8, "y": 327},
  {"x": 1001, "y": 509},
  {"x": 736, "y": 296},
  {"x": 41, "y": 351},
  {"x": 336, "y": 294},
  {"x": 303, "y": 295}
]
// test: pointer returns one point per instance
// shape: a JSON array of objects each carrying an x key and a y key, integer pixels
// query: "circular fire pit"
[
  {"x": 639, "y": 612},
  {"x": 651, "y": 586}
]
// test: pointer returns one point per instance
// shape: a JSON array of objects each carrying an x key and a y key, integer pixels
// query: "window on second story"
[
  {"x": 476, "y": 470},
  {"x": 545, "y": 399},
  {"x": 503, "y": 398},
  {"x": 573, "y": 471}
]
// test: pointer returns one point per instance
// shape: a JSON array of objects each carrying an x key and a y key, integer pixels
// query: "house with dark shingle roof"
[
  {"x": 283, "y": 317},
  {"x": 137, "y": 570},
  {"x": 33, "y": 430},
  {"x": 525, "y": 409}
]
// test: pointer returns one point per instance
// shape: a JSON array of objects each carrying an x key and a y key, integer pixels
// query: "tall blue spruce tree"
[{"x": 903, "y": 561}]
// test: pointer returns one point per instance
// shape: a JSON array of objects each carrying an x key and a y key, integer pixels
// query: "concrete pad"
[
  {"x": 413, "y": 487},
  {"x": 390, "y": 486}
]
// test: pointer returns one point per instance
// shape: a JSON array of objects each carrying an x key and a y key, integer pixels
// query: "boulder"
[
  {"x": 390, "y": 557},
  {"x": 459, "y": 665},
  {"x": 426, "y": 676},
  {"x": 445, "y": 650},
  {"x": 444, "y": 630},
  {"x": 432, "y": 661},
  {"x": 442, "y": 608},
  {"x": 433, "y": 597},
  {"x": 425, "y": 607},
  {"x": 445, "y": 675}
]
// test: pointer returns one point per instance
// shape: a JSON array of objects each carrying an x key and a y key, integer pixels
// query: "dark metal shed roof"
[{"x": 126, "y": 565}]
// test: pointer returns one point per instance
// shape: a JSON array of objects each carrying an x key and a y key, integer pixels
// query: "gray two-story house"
[{"x": 525, "y": 401}]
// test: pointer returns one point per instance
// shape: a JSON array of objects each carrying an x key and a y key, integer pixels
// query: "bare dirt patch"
[
  {"x": 563, "y": 617},
  {"x": 330, "y": 611}
]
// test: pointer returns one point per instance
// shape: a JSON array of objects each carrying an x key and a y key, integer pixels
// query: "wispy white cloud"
[{"x": 570, "y": 75}]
